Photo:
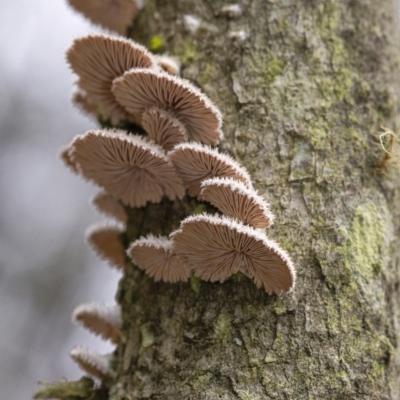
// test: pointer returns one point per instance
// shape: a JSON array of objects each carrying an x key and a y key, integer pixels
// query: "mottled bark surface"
[{"x": 303, "y": 87}]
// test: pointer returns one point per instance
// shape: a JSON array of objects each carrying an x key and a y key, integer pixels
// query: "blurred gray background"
[{"x": 46, "y": 268}]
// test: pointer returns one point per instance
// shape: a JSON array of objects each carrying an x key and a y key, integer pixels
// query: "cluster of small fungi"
[{"x": 122, "y": 81}]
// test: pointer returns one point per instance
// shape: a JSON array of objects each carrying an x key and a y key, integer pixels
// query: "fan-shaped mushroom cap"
[
  {"x": 157, "y": 258},
  {"x": 163, "y": 128},
  {"x": 101, "y": 320},
  {"x": 81, "y": 100},
  {"x": 140, "y": 89},
  {"x": 116, "y": 15},
  {"x": 196, "y": 163},
  {"x": 93, "y": 363},
  {"x": 106, "y": 243},
  {"x": 216, "y": 247},
  {"x": 98, "y": 60},
  {"x": 235, "y": 200},
  {"x": 65, "y": 155},
  {"x": 108, "y": 205},
  {"x": 127, "y": 167},
  {"x": 168, "y": 64}
]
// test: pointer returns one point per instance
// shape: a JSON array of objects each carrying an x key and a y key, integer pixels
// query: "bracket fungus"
[
  {"x": 101, "y": 320},
  {"x": 93, "y": 363},
  {"x": 116, "y": 15},
  {"x": 235, "y": 200},
  {"x": 109, "y": 206},
  {"x": 196, "y": 163},
  {"x": 106, "y": 243},
  {"x": 157, "y": 258},
  {"x": 162, "y": 128},
  {"x": 126, "y": 166},
  {"x": 140, "y": 89},
  {"x": 216, "y": 247},
  {"x": 98, "y": 60}
]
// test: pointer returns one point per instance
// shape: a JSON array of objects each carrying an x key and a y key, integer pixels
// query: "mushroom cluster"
[{"x": 167, "y": 154}]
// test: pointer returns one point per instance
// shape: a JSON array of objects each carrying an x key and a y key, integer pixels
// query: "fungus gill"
[
  {"x": 140, "y": 89},
  {"x": 157, "y": 258},
  {"x": 91, "y": 362},
  {"x": 116, "y": 15},
  {"x": 99, "y": 319},
  {"x": 106, "y": 243}
]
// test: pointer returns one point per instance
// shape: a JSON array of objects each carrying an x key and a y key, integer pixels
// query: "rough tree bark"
[{"x": 304, "y": 86}]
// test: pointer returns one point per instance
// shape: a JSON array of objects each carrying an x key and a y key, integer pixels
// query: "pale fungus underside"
[
  {"x": 116, "y": 15},
  {"x": 157, "y": 258},
  {"x": 91, "y": 362},
  {"x": 106, "y": 243},
  {"x": 98, "y": 60},
  {"x": 195, "y": 163},
  {"x": 122, "y": 163},
  {"x": 99, "y": 319},
  {"x": 110, "y": 206},
  {"x": 140, "y": 89}
]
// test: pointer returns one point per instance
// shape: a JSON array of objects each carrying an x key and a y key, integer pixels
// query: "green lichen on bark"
[{"x": 302, "y": 92}]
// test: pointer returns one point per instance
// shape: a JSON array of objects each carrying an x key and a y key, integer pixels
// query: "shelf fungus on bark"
[
  {"x": 140, "y": 89},
  {"x": 99, "y": 319},
  {"x": 126, "y": 166},
  {"x": 163, "y": 128},
  {"x": 106, "y": 243},
  {"x": 157, "y": 258},
  {"x": 93, "y": 363},
  {"x": 236, "y": 200},
  {"x": 109, "y": 206},
  {"x": 196, "y": 163},
  {"x": 116, "y": 15},
  {"x": 98, "y": 60},
  {"x": 216, "y": 247}
]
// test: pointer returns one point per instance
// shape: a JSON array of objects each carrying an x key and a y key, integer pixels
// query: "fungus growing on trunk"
[
  {"x": 101, "y": 320},
  {"x": 93, "y": 363},
  {"x": 65, "y": 155},
  {"x": 116, "y": 15},
  {"x": 196, "y": 163},
  {"x": 140, "y": 89},
  {"x": 127, "y": 167},
  {"x": 235, "y": 200},
  {"x": 81, "y": 100},
  {"x": 216, "y": 247},
  {"x": 163, "y": 128},
  {"x": 106, "y": 243},
  {"x": 109, "y": 206},
  {"x": 168, "y": 64},
  {"x": 157, "y": 258},
  {"x": 98, "y": 60}
]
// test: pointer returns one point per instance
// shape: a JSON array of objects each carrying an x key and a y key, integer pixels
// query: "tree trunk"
[{"x": 304, "y": 87}]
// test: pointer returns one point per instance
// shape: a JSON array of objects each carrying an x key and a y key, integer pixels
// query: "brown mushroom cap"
[
  {"x": 163, "y": 128},
  {"x": 98, "y": 60},
  {"x": 140, "y": 89},
  {"x": 235, "y": 200},
  {"x": 127, "y": 167},
  {"x": 108, "y": 205},
  {"x": 116, "y": 15},
  {"x": 106, "y": 243},
  {"x": 168, "y": 64},
  {"x": 217, "y": 247},
  {"x": 65, "y": 155},
  {"x": 99, "y": 319},
  {"x": 196, "y": 163},
  {"x": 81, "y": 100},
  {"x": 91, "y": 362},
  {"x": 157, "y": 258}
]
